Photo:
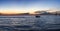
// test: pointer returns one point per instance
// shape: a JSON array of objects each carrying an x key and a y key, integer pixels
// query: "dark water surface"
[{"x": 31, "y": 23}]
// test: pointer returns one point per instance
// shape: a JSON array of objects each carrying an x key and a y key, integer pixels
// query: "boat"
[{"x": 37, "y": 16}]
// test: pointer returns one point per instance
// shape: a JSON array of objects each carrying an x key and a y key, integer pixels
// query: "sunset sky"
[{"x": 22, "y": 6}]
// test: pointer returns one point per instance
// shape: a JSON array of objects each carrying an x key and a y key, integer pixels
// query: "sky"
[{"x": 23, "y": 6}]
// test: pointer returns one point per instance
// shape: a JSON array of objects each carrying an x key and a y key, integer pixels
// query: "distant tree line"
[{"x": 47, "y": 13}]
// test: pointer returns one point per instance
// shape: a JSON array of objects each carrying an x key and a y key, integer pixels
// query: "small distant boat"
[{"x": 37, "y": 16}]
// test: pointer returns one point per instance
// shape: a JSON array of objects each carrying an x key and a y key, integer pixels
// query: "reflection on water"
[{"x": 45, "y": 22}]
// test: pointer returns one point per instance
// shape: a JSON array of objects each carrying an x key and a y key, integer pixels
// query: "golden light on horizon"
[
  {"x": 16, "y": 11},
  {"x": 31, "y": 11},
  {"x": 11, "y": 11}
]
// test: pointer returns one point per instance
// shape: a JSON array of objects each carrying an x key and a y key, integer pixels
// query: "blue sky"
[{"x": 27, "y": 5}]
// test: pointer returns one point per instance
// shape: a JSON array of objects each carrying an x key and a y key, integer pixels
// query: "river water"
[{"x": 30, "y": 22}]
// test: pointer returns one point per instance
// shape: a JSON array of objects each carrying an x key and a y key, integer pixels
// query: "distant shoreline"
[{"x": 28, "y": 15}]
